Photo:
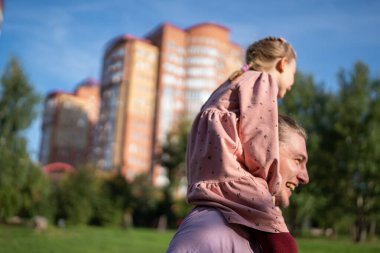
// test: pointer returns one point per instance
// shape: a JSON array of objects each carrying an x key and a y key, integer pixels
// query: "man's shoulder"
[{"x": 206, "y": 230}]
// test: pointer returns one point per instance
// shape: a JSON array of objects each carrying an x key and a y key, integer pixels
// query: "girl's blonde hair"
[{"x": 261, "y": 55}]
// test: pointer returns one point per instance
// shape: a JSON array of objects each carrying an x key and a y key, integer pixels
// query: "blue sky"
[{"x": 60, "y": 43}]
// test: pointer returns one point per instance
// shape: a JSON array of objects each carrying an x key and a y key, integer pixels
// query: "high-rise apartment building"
[
  {"x": 68, "y": 123},
  {"x": 192, "y": 63},
  {"x": 149, "y": 85},
  {"x": 123, "y": 139}
]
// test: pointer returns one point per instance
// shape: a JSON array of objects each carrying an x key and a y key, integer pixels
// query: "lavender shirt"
[{"x": 205, "y": 230}]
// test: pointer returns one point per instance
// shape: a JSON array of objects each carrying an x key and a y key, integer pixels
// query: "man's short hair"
[{"x": 286, "y": 123}]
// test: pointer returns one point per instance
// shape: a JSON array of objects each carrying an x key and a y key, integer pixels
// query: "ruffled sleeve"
[{"x": 258, "y": 128}]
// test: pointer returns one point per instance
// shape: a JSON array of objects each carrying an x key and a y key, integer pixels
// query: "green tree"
[
  {"x": 18, "y": 102},
  {"x": 312, "y": 107},
  {"x": 358, "y": 147},
  {"x": 12, "y": 174},
  {"x": 145, "y": 200},
  {"x": 34, "y": 193},
  {"x": 77, "y": 195},
  {"x": 174, "y": 151},
  {"x": 113, "y": 202},
  {"x": 21, "y": 185},
  {"x": 173, "y": 159},
  {"x": 343, "y": 149}
]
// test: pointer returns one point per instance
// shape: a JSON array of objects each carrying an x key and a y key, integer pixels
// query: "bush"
[
  {"x": 76, "y": 195},
  {"x": 145, "y": 200}
]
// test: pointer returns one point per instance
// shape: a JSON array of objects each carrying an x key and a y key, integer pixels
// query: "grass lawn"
[
  {"x": 318, "y": 245},
  {"x": 112, "y": 240}
]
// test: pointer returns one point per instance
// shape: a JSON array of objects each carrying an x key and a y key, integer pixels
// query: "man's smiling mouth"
[{"x": 291, "y": 186}]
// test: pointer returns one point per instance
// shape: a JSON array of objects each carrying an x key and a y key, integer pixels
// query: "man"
[{"x": 205, "y": 229}]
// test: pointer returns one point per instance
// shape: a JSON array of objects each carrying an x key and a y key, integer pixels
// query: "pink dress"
[{"x": 233, "y": 150}]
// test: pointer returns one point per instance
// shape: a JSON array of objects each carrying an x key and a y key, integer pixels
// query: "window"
[
  {"x": 82, "y": 122},
  {"x": 203, "y": 61},
  {"x": 205, "y": 40},
  {"x": 119, "y": 52},
  {"x": 109, "y": 124},
  {"x": 172, "y": 68},
  {"x": 195, "y": 99},
  {"x": 116, "y": 77},
  {"x": 206, "y": 72},
  {"x": 133, "y": 148},
  {"x": 201, "y": 83},
  {"x": 114, "y": 66},
  {"x": 174, "y": 58},
  {"x": 204, "y": 50},
  {"x": 45, "y": 150}
]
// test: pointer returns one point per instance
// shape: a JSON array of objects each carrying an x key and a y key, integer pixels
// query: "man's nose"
[{"x": 303, "y": 176}]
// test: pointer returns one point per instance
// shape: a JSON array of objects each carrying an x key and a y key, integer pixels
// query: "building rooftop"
[
  {"x": 57, "y": 93},
  {"x": 207, "y": 24},
  {"x": 122, "y": 38}
]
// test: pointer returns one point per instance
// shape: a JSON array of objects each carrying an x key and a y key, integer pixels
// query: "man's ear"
[{"x": 280, "y": 66}]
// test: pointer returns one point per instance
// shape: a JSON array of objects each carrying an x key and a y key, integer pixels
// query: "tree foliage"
[
  {"x": 23, "y": 187},
  {"x": 174, "y": 151},
  {"x": 145, "y": 200},
  {"x": 77, "y": 193},
  {"x": 173, "y": 158},
  {"x": 343, "y": 145},
  {"x": 343, "y": 149},
  {"x": 18, "y": 102},
  {"x": 358, "y": 147},
  {"x": 312, "y": 107},
  {"x": 113, "y": 201}
]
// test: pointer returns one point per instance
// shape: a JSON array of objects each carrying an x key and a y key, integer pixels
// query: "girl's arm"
[{"x": 258, "y": 128}]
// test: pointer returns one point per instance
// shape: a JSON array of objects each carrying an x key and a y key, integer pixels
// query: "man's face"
[{"x": 293, "y": 158}]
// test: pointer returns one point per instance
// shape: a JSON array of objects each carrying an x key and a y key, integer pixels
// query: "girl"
[{"x": 233, "y": 148}]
